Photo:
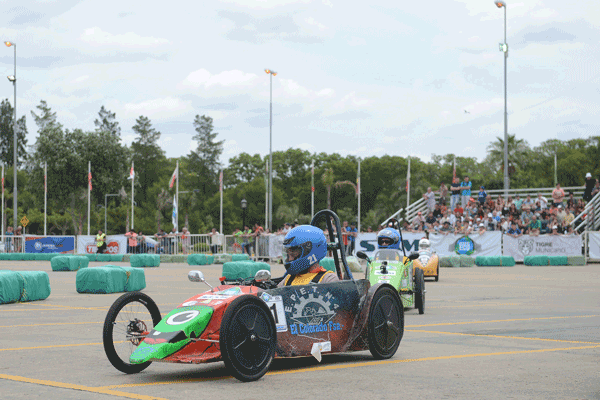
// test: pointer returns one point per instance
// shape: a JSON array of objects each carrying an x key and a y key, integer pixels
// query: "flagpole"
[
  {"x": 132, "y": 179},
  {"x": 312, "y": 189},
  {"x": 266, "y": 195},
  {"x": 89, "y": 194},
  {"x": 221, "y": 208},
  {"x": 3, "y": 231},
  {"x": 358, "y": 191},
  {"x": 177, "y": 196},
  {"x": 408, "y": 186},
  {"x": 45, "y": 196}
]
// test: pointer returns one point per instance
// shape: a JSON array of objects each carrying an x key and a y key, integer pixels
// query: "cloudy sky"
[{"x": 363, "y": 78}]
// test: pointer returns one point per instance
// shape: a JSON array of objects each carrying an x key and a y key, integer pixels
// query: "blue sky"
[{"x": 354, "y": 78}]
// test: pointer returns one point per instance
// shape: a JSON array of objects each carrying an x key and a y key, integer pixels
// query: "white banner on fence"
[
  {"x": 550, "y": 245},
  {"x": 367, "y": 242},
  {"x": 115, "y": 244},
  {"x": 488, "y": 244},
  {"x": 594, "y": 245}
]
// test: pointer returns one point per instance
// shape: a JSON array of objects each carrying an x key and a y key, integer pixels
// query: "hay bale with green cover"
[
  {"x": 11, "y": 286},
  {"x": 180, "y": 259},
  {"x": 328, "y": 263},
  {"x": 36, "y": 285},
  {"x": 240, "y": 257},
  {"x": 68, "y": 263},
  {"x": 466, "y": 261},
  {"x": 136, "y": 278},
  {"x": 576, "y": 260},
  {"x": 197, "y": 259},
  {"x": 91, "y": 257},
  {"x": 210, "y": 259},
  {"x": 101, "y": 280},
  {"x": 539, "y": 261},
  {"x": 243, "y": 269},
  {"x": 557, "y": 260},
  {"x": 487, "y": 261},
  {"x": 507, "y": 261},
  {"x": 144, "y": 260}
]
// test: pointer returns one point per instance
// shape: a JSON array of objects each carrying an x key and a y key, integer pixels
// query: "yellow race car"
[{"x": 428, "y": 261}]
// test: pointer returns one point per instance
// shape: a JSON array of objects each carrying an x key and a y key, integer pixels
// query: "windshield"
[{"x": 388, "y": 255}]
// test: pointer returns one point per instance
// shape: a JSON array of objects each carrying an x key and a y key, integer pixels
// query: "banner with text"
[
  {"x": 549, "y": 245},
  {"x": 49, "y": 244},
  {"x": 594, "y": 245},
  {"x": 115, "y": 244},
  {"x": 367, "y": 242},
  {"x": 488, "y": 244}
]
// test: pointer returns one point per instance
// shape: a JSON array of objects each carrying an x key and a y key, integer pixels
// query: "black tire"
[
  {"x": 419, "y": 290},
  {"x": 132, "y": 312},
  {"x": 386, "y": 323},
  {"x": 248, "y": 338},
  {"x": 437, "y": 276}
]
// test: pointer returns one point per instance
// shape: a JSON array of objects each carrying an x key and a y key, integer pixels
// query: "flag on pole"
[
  {"x": 131, "y": 173},
  {"x": 173, "y": 177},
  {"x": 174, "y": 217},
  {"x": 89, "y": 180}
]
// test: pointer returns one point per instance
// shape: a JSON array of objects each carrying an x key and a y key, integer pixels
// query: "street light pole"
[
  {"x": 13, "y": 79},
  {"x": 271, "y": 74},
  {"x": 504, "y": 49}
]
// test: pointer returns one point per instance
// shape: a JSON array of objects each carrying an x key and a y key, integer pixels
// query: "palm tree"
[
  {"x": 162, "y": 201},
  {"x": 518, "y": 152},
  {"x": 328, "y": 181}
]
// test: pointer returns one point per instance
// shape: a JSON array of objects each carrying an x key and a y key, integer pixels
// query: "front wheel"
[
  {"x": 437, "y": 276},
  {"x": 419, "y": 291},
  {"x": 386, "y": 323},
  {"x": 130, "y": 318},
  {"x": 248, "y": 338}
]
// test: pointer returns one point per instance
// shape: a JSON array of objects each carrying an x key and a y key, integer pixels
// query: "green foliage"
[{"x": 7, "y": 136}]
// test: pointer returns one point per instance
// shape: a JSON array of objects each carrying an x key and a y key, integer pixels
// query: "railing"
[
  {"x": 589, "y": 219},
  {"x": 416, "y": 207},
  {"x": 12, "y": 244},
  {"x": 394, "y": 215}
]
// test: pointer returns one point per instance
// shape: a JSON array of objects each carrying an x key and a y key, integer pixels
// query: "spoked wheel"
[
  {"x": 130, "y": 318},
  {"x": 247, "y": 338},
  {"x": 386, "y": 323},
  {"x": 420, "y": 291}
]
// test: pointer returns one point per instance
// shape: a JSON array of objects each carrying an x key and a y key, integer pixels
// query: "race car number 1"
[{"x": 275, "y": 304}]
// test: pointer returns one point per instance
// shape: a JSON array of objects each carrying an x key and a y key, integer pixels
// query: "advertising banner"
[
  {"x": 367, "y": 242},
  {"x": 594, "y": 245},
  {"x": 487, "y": 244},
  {"x": 49, "y": 244},
  {"x": 549, "y": 245},
  {"x": 115, "y": 244}
]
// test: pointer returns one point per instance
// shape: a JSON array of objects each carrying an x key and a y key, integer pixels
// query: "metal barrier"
[
  {"x": 590, "y": 220},
  {"x": 12, "y": 244}
]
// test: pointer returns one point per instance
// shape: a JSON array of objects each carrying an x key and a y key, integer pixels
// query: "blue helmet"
[
  {"x": 388, "y": 238},
  {"x": 306, "y": 244}
]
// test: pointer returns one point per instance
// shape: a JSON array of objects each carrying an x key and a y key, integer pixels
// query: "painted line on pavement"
[
  {"x": 82, "y": 388},
  {"x": 55, "y": 346},
  {"x": 362, "y": 364},
  {"x": 500, "y": 336},
  {"x": 480, "y": 305},
  {"x": 497, "y": 320}
]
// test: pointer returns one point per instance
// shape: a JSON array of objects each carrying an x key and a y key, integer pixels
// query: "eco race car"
[
  {"x": 428, "y": 261},
  {"x": 393, "y": 267},
  {"x": 246, "y": 323}
]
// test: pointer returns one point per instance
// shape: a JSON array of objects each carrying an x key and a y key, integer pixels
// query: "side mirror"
[
  {"x": 413, "y": 256},
  {"x": 361, "y": 254},
  {"x": 196, "y": 276},
  {"x": 262, "y": 275}
]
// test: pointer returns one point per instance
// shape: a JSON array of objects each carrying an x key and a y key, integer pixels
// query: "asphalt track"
[{"x": 487, "y": 333}]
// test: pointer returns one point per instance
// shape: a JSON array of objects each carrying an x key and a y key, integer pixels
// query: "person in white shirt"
[{"x": 543, "y": 201}]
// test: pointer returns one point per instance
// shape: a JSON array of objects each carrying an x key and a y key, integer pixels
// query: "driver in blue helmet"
[
  {"x": 305, "y": 246},
  {"x": 388, "y": 238}
]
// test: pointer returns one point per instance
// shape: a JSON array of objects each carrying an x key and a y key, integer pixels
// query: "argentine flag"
[{"x": 174, "y": 218}]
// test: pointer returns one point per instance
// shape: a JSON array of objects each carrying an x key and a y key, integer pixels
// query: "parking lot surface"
[{"x": 487, "y": 333}]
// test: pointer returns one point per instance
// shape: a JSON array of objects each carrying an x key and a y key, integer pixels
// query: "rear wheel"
[
  {"x": 247, "y": 338},
  {"x": 386, "y": 323},
  {"x": 130, "y": 318},
  {"x": 437, "y": 274},
  {"x": 419, "y": 291}
]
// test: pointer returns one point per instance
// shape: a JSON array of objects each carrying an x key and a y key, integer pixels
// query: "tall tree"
[
  {"x": 204, "y": 161},
  {"x": 518, "y": 151},
  {"x": 6, "y": 135},
  {"x": 46, "y": 119},
  {"x": 106, "y": 122},
  {"x": 147, "y": 154}
]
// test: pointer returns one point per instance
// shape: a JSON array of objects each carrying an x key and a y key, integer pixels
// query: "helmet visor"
[
  {"x": 385, "y": 241},
  {"x": 293, "y": 253}
]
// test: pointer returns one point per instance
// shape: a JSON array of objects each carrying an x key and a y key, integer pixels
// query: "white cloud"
[
  {"x": 160, "y": 108},
  {"x": 97, "y": 37},
  {"x": 233, "y": 78},
  {"x": 312, "y": 21}
]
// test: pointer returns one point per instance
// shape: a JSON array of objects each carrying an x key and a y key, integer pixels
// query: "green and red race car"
[{"x": 246, "y": 323}]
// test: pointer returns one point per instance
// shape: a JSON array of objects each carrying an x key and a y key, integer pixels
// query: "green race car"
[{"x": 392, "y": 267}]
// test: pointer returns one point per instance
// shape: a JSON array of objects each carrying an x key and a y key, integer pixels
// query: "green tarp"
[
  {"x": 466, "y": 261},
  {"x": 495, "y": 261},
  {"x": 557, "y": 260},
  {"x": 136, "y": 278},
  {"x": 328, "y": 263},
  {"x": 144, "y": 260},
  {"x": 10, "y": 287},
  {"x": 101, "y": 280},
  {"x": 69, "y": 263},
  {"x": 243, "y": 269},
  {"x": 210, "y": 259},
  {"x": 536, "y": 260},
  {"x": 23, "y": 286},
  {"x": 197, "y": 259},
  {"x": 240, "y": 257},
  {"x": 576, "y": 260}
]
